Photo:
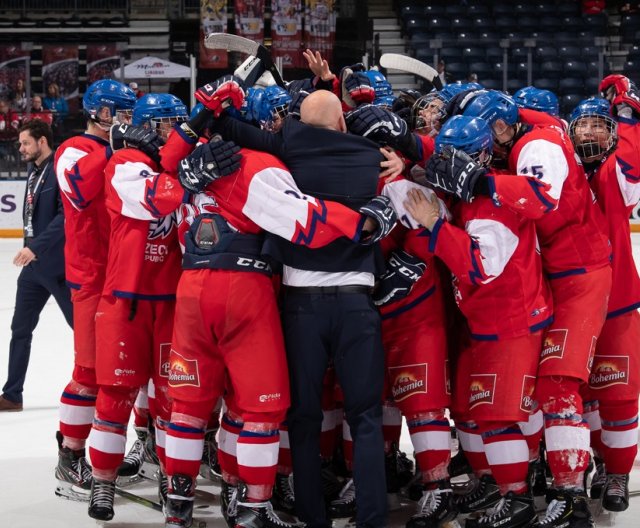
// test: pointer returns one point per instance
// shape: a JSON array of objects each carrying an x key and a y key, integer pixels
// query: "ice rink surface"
[{"x": 28, "y": 450}]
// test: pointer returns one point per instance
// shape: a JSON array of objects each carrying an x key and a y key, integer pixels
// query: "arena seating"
[{"x": 565, "y": 58}]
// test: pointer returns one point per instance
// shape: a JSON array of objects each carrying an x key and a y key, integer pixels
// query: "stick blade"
[
  {"x": 231, "y": 42},
  {"x": 396, "y": 61}
]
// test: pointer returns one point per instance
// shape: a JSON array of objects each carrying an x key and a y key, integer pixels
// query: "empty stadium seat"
[
  {"x": 506, "y": 23},
  {"x": 551, "y": 68},
  {"x": 462, "y": 24},
  {"x": 473, "y": 54},
  {"x": 459, "y": 70},
  {"x": 546, "y": 53},
  {"x": 451, "y": 54},
  {"x": 575, "y": 68},
  {"x": 591, "y": 86},
  {"x": 569, "y": 52},
  {"x": 483, "y": 69},
  {"x": 438, "y": 22},
  {"x": 514, "y": 85},
  {"x": 492, "y": 84},
  {"x": 568, "y": 102},
  {"x": 493, "y": 53},
  {"x": 478, "y": 9},
  {"x": 570, "y": 7},
  {"x": 546, "y": 84},
  {"x": 570, "y": 85}
]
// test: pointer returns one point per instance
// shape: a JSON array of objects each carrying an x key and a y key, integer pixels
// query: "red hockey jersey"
[
  {"x": 79, "y": 165},
  {"x": 616, "y": 183}
]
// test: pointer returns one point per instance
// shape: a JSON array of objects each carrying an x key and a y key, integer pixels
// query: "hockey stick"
[
  {"x": 250, "y": 71},
  {"x": 396, "y": 61},
  {"x": 139, "y": 500}
]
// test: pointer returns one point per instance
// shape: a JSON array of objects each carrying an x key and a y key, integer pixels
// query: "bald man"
[{"x": 328, "y": 313}]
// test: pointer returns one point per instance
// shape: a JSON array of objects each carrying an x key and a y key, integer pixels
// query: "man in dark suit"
[{"x": 41, "y": 258}]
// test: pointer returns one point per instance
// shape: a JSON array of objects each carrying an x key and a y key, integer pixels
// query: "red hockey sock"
[
  {"x": 431, "y": 438},
  {"x": 619, "y": 435},
  {"x": 77, "y": 407}
]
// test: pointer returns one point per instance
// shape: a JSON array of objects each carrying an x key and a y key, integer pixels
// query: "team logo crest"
[
  {"x": 408, "y": 380},
  {"x": 609, "y": 370},
  {"x": 183, "y": 371},
  {"x": 163, "y": 365},
  {"x": 161, "y": 227},
  {"x": 482, "y": 388},
  {"x": 526, "y": 398},
  {"x": 553, "y": 347}
]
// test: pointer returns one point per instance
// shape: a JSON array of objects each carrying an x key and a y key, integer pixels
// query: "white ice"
[{"x": 28, "y": 450}]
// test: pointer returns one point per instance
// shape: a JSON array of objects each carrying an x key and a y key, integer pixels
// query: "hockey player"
[
  {"x": 220, "y": 338},
  {"x": 538, "y": 107},
  {"x": 609, "y": 151},
  {"x": 575, "y": 253},
  {"x": 79, "y": 164},
  {"x": 499, "y": 287},
  {"x": 135, "y": 315}
]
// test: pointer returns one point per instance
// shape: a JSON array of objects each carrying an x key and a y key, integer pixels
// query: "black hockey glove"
[
  {"x": 207, "y": 163},
  {"x": 296, "y": 103},
  {"x": 380, "y": 209},
  {"x": 143, "y": 139},
  {"x": 454, "y": 172},
  {"x": 459, "y": 102},
  {"x": 198, "y": 124},
  {"x": 403, "y": 271}
]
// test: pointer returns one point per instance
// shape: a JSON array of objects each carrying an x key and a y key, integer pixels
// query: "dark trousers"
[
  {"x": 34, "y": 290},
  {"x": 346, "y": 328}
]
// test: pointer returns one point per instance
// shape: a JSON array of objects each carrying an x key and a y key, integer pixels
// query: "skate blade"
[
  {"x": 207, "y": 473},
  {"x": 125, "y": 482},
  {"x": 68, "y": 491},
  {"x": 150, "y": 471}
]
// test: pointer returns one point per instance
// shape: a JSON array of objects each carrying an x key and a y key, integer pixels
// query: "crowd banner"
[
  {"x": 13, "y": 66},
  {"x": 213, "y": 17},
  {"x": 320, "y": 26},
  {"x": 249, "y": 18},
  {"x": 286, "y": 32},
  {"x": 102, "y": 59},
  {"x": 11, "y": 203},
  {"x": 60, "y": 66}
]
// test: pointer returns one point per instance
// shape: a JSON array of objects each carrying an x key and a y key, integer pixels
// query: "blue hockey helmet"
[
  {"x": 492, "y": 105},
  {"x": 114, "y": 95},
  {"x": 159, "y": 109},
  {"x": 386, "y": 101},
  {"x": 381, "y": 85},
  {"x": 592, "y": 130},
  {"x": 450, "y": 90},
  {"x": 469, "y": 134},
  {"x": 537, "y": 99},
  {"x": 472, "y": 86},
  {"x": 268, "y": 106}
]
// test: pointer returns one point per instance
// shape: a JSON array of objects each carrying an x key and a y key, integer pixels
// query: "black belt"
[{"x": 330, "y": 290}]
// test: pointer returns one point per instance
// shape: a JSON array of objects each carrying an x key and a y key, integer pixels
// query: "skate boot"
[
  {"x": 537, "y": 478},
  {"x": 229, "y": 503},
  {"x": 599, "y": 479},
  {"x": 459, "y": 465},
  {"x": 163, "y": 488},
  {"x": 398, "y": 469},
  {"x": 135, "y": 457},
  {"x": 435, "y": 508},
  {"x": 73, "y": 473},
  {"x": 210, "y": 467},
  {"x": 283, "y": 498},
  {"x": 178, "y": 510},
  {"x": 260, "y": 515},
  {"x": 101, "y": 500},
  {"x": 345, "y": 504},
  {"x": 485, "y": 494},
  {"x": 151, "y": 464},
  {"x": 616, "y": 493},
  {"x": 569, "y": 509},
  {"x": 511, "y": 511},
  {"x": 331, "y": 485}
]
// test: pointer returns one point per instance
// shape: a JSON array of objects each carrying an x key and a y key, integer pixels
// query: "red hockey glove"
[
  {"x": 622, "y": 94},
  {"x": 220, "y": 94},
  {"x": 355, "y": 86}
]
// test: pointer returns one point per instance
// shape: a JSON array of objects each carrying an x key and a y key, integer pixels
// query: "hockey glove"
[
  {"x": 359, "y": 89},
  {"x": 459, "y": 102},
  {"x": 207, "y": 163},
  {"x": 622, "y": 94},
  {"x": 454, "y": 172},
  {"x": 220, "y": 94},
  {"x": 198, "y": 124},
  {"x": 380, "y": 209},
  {"x": 143, "y": 139},
  {"x": 345, "y": 73},
  {"x": 296, "y": 103},
  {"x": 403, "y": 271}
]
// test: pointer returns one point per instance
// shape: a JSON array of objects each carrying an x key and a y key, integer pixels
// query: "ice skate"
[
  {"x": 599, "y": 479},
  {"x": 615, "y": 496},
  {"x": 435, "y": 509},
  {"x": 178, "y": 510},
  {"x": 133, "y": 460},
  {"x": 101, "y": 501},
  {"x": 260, "y": 515},
  {"x": 459, "y": 465},
  {"x": 283, "y": 498},
  {"x": 345, "y": 504},
  {"x": 73, "y": 473},
  {"x": 150, "y": 465},
  {"x": 511, "y": 511},
  {"x": 209, "y": 467},
  {"x": 569, "y": 509},
  {"x": 485, "y": 494},
  {"x": 229, "y": 503},
  {"x": 163, "y": 488}
]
